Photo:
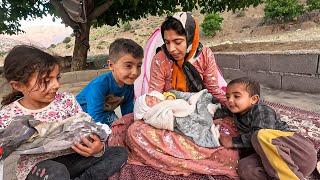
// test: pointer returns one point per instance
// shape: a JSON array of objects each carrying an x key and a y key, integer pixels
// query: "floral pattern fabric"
[
  {"x": 63, "y": 106},
  {"x": 171, "y": 152}
]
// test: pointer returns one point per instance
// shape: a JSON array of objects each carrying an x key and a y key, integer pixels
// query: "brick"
[
  {"x": 228, "y": 60},
  {"x": 255, "y": 62},
  {"x": 86, "y": 75},
  {"x": 301, "y": 83},
  {"x": 269, "y": 79},
  {"x": 294, "y": 63},
  {"x": 68, "y": 77},
  {"x": 103, "y": 71},
  {"x": 229, "y": 73}
]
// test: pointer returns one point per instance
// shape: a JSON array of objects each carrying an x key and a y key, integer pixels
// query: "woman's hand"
[
  {"x": 88, "y": 148},
  {"x": 226, "y": 141}
]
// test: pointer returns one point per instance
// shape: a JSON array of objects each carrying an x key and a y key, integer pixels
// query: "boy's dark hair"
[
  {"x": 21, "y": 62},
  {"x": 172, "y": 23},
  {"x": 122, "y": 46},
  {"x": 252, "y": 86}
]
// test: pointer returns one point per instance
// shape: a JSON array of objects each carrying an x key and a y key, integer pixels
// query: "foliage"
[
  {"x": 66, "y": 40},
  {"x": 103, "y": 43},
  {"x": 313, "y": 4},
  {"x": 103, "y": 12},
  {"x": 67, "y": 46},
  {"x": 2, "y": 54},
  {"x": 282, "y": 10},
  {"x": 240, "y": 13},
  {"x": 211, "y": 24},
  {"x": 53, "y": 46},
  {"x": 126, "y": 26},
  {"x": 12, "y": 11}
]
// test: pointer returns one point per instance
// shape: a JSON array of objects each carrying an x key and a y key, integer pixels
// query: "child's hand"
[
  {"x": 88, "y": 148},
  {"x": 226, "y": 141}
]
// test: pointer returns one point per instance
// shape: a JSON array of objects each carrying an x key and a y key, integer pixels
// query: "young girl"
[{"x": 34, "y": 77}]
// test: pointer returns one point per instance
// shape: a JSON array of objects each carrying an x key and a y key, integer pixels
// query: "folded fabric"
[
  {"x": 163, "y": 114},
  {"x": 16, "y": 133},
  {"x": 25, "y": 135},
  {"x": 61, "y": 135}
]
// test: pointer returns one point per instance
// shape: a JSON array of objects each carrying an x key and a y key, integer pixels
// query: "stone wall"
[
  {"x": 294, "y": 71},
  {"x": 68, "y": 80}
]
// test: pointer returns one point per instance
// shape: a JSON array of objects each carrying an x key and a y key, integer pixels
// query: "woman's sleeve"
[
  {"x": 157, "y": 77},
  {"x": 210, "y": 76}
]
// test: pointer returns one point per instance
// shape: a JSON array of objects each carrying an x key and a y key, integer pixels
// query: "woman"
[{"x": 182, "y": 64}]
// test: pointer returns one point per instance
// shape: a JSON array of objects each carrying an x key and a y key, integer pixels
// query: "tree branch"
[
  {"x": 100, "y": 10},
  {"x": 63, "y": 14}
]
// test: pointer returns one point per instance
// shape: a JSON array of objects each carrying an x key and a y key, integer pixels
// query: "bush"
[
  {"x": 126, "y": 26},
  {"x": 211, "y": 24},
  {"x": 67, "y": 46},
  {"x": 2, "y": 53},
  {"x": 66, "y": 40},
  {"x": 282, "y": 10},
  {"x": 313, "y": 4},
  {"x": 53, "y": 46}
]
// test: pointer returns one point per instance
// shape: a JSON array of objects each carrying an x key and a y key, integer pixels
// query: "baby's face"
[{"x": 152, "y": 100}]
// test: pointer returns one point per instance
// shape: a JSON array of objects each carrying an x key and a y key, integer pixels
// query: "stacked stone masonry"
[
  {"x": 69, "y": 80},
  {"x": 294, "y": 71}
]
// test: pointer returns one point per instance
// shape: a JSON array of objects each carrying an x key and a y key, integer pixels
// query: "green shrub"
[
  {"x": 53, "y": 46},
  {"x": 211, "y": 24},
  {"x": 100, "y": 47},
  {"x": 68, "y": 46},
  {"x": 66, "y": 40},
  {"x": 240, "y": 13},
  {"x": 126, "y": 26},
  {"x": 2, "y": 53},
  {"x": 103, "y": 43},
  {"x": 282, "y": 10},
  {"x": 313, "y": 4}
]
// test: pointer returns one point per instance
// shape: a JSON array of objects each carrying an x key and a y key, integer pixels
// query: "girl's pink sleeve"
[
  {"x": 210, "y": 76},
  {"x": 157, "y": 77}
]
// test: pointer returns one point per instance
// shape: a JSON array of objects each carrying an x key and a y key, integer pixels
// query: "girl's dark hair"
[
  {"x": 21, "y": 62},
  {"x": 173, "y": 24}
]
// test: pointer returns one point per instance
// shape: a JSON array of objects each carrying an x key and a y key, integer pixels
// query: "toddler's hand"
[
  {"x": 88, "y": 148},
  {"x": 226, "y": 141}
]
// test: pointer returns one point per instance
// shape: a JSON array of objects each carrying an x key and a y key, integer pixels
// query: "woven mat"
[{"x": 304, "y": 122}]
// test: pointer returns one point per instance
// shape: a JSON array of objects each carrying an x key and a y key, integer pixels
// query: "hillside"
[{"x": 241, "y": 31}]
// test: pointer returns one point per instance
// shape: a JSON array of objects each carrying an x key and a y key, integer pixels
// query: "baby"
[{"x": 188, "y": 113}]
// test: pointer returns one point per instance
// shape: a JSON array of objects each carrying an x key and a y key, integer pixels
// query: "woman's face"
[{"x": 175, "y": 44}]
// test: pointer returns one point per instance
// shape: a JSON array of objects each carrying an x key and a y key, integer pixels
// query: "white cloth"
[
  {"x": 163, "y": 114},
  {"x": 141, "y": 107}
]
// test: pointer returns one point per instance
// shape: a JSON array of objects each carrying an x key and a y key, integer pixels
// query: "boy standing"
[
  {"x": 115, "y": 87},
  {"x": 279, "y": 153}
]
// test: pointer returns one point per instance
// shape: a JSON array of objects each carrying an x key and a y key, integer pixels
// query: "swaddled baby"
[{"x": 188, "y": 113}]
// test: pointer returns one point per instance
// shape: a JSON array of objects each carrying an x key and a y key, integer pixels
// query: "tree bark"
[{"x": 81, "y": 47}]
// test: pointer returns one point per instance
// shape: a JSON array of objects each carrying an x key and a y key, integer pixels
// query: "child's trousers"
[
  {"x": 279, "y": 155},
  {"x": 75, "y": 166}
]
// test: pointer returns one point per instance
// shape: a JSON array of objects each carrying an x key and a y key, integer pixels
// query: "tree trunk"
[{"x": 81, "y": 47}]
